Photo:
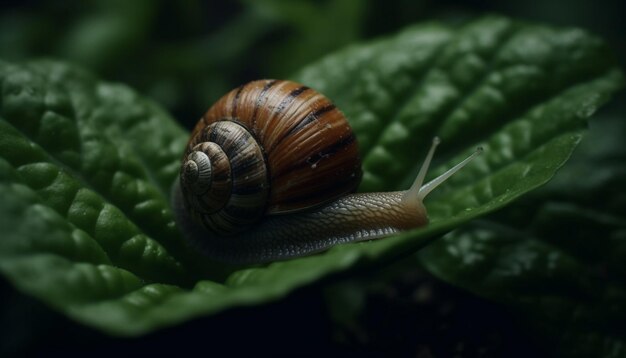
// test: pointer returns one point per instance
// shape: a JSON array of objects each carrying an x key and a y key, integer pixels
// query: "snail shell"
[
  {"x": 267, "y": 174},
  {"x": 267, "y": 147}
]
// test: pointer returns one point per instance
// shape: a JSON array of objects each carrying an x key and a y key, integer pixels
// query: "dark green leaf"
[
  {"x": 86, "y": 165},
  {"x": 559, "y": 256}
]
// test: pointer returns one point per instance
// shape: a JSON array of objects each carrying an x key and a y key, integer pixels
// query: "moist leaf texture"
[
  {"x": 557, "y": 256},
  {"x": 86, "y": 165}
]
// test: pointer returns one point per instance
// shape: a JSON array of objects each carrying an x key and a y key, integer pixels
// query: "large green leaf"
[
  {"x": 558, "y": 257},
  {"x": 86, "y": 165}
]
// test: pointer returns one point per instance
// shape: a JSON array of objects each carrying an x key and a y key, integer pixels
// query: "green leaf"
[
  {"x": 86, "y": 165},
  {"x": 559, "y": 256}
]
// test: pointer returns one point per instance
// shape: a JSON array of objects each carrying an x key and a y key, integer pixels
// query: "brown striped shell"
[{"x": 267, "y": 147}]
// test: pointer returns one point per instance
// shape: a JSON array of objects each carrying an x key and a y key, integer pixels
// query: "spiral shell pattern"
[{"x": 267, "y": 147}]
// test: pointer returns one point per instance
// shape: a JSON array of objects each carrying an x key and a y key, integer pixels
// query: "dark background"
[{"x": 185, "y": 55}]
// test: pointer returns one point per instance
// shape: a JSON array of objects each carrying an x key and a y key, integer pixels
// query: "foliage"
[
  {"x": 558, "y": 255},
  {"x": 86, "y": 165}
]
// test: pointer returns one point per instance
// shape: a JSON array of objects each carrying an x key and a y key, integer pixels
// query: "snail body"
[{"x": 268, "y": 174}]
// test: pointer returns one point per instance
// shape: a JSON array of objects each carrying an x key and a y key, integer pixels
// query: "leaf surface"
[
  {"x": 558, "y": 257},
  {"x": 86, "y": 165}
]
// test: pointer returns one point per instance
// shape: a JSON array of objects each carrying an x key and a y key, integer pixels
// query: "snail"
[{"x": 269, "y": 173}]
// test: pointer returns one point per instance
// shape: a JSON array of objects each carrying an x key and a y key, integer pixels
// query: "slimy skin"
[{"x": 351, "y": 218}]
